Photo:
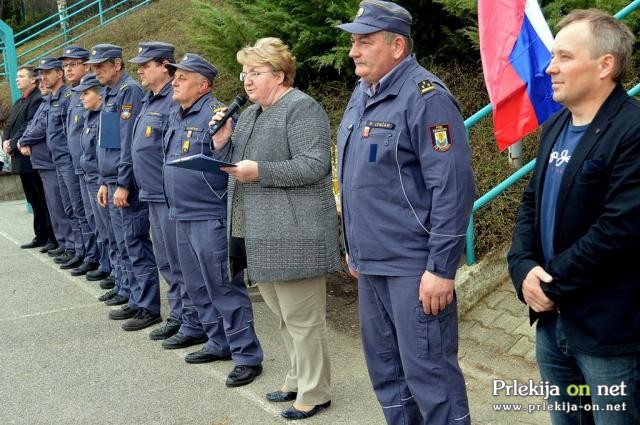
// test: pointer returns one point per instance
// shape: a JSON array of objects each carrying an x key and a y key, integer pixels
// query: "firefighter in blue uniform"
[
  {"x": 407, "y": 190},
  {"x": 148, "y": 157},
  {"x": 34, "y": 145},
  {"x": 92, "y": 103},
  {"x": 118, "y": 191},
  {"x": 197, "y": 200},
  {"x": 73, "y": 58},
  {"x": 52, "y": 77}
]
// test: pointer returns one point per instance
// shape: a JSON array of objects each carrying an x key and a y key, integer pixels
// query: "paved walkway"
[{"x": 63, "y": 362}]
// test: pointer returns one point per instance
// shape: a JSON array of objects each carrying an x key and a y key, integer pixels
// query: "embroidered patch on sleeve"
[
  {"x": 125, "y": 113},
  {"x": 440, "y": 137}
]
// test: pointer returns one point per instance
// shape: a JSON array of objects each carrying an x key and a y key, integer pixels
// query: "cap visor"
[
  {"x": 356, "y": 28},
  {"x": 140, "y": 60},
  {"x": 44, "y": 68},
  {"x": 179, "y": 66},
  {"x": 96, "y": 61},
  {"x": 72, "y": 57}
]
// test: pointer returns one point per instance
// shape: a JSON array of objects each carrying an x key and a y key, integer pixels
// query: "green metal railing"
[
  {"x": 64, "y": 27},
  {"x": 522, "y": 172}
]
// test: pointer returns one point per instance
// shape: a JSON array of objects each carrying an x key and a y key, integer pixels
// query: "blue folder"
[
  {"x": 200, "y": 162},
  {"x": 109, "y": 135}
]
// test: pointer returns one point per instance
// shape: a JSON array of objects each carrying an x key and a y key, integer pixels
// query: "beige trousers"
[{"x": 301, "y": 306}]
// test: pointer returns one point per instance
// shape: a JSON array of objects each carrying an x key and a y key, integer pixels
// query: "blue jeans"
[{"x": 606, "y": 390}]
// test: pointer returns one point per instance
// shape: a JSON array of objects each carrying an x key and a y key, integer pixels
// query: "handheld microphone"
[{"x": 233, "y": 108}]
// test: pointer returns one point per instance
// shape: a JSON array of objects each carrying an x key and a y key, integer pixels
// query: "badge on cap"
[
  {"x": 68, "y": 51},
  {"x": 43, "y": 61},
  {"x": 360, "y": 12},
  {"x": 185, "y": 58},
  {"x": 93, "y": 53},
  {"x": 440, "y": 137},
  {"x": 185, "y": 146},
  {"x": 139, "y": 49},
  {"x": 125, "y": 114}
]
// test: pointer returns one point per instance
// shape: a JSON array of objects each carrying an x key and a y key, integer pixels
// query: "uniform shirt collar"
[
  {"x": 123, "y": 77},
  {"x": 196, "y": 106},
  {"x": 164, "y": 91}
]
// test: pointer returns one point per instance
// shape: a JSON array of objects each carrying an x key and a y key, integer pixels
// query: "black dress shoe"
[
  {"x": 278, "y": 396},
  {"x": 116, "y": 300},
  {"x": 63, "y": 258},
  {"x": 243, "y": 375},
  {"x": 180, "y": 340},
  {"x": 96, "y": 275},
  {"x": 123, "y": 313},
  {"x": 108, "y": 283},
  {"x": 168, "y": 330},
  {"x": 56, "y": 252},
  {"x": 84, "y": 268},
  {"x": 108, "y": 295},
  {"x": 33, "y": 244},
  {"x": 295, "y": 414},
  {"x": 143, "y": 319},
  {"x": 203, "y": 356},
  {"x": 72, "y": 263},
  {"x": 49, "y": 246}
]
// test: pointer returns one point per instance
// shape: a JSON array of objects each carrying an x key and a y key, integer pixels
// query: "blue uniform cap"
[
  {"x": 153, "y": 50},
  {"x": 375, "y": 15},
  {"x": 37, "y": 76},
  {"x": 103, "y": 52},
  {"x": 194, "y": 63},
  {"x": 87, "y": 81},
  {"x": 74, "y": 52},
  {"x": 49, "y": 63}
]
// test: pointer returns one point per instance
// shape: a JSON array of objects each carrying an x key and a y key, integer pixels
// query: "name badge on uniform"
[
  {"x": 440, "y": 137},
  {"x": 125, "y": 114},
  {"x": 185, "y": 146},
  {"x": 147, "y": 131}
]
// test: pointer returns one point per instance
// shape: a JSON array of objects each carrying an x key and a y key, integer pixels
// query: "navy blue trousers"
[
  {"x": 165, "y": 248},
  {"x": 412, "y": 357},
  {"x": 103, "y": 227},
  {"x": 131, "y": 228},
  {"x": 223, "y": 304},
  {"x": 59, "y": 220},
  {"x": 72, "y": 201}
]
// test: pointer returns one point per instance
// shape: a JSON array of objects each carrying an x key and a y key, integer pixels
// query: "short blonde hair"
[{"x": 273, "y": 52}]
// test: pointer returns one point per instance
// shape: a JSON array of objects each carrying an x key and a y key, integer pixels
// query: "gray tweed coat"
[{"x": 290, "y": 218}]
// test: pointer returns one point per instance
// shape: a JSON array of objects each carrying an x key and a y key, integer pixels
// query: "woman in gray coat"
[{"x": 282, "y": 214}]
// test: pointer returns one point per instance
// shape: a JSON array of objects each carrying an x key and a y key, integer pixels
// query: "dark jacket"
[
  {"x": 23, "y": 111},
  {"x": 596, "y": 283},
  {"x": 35, "y": 136}
]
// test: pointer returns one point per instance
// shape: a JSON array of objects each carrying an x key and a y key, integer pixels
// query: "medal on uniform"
[
  {"x": 189, "y": 133},
  {"x": 185, "y": 146},
  {"x": 365, "y": 131},
  {"x": 75, "y": 119},
  {"x": 86, "y": 131},
  {"x": 147, "y": 132}
]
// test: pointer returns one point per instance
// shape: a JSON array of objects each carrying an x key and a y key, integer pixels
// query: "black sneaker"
[
  {"x": 108, "y": 283},
  {"x": 143, "y": 319},
  {"x": 123, "y": 313},
  {"x": 63, "y": 258},
  {"x": 108, "y": 295},
  {"x": 168, "y": 330},
  {"x": 116, "y": 300},
  {"x": 243, "y": 375},
  {"x": 56, "y": 252}
]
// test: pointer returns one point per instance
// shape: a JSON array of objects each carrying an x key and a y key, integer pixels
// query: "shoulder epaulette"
[
  {"x": 123, "y": 86},
  {"x": 425, "y": 86},
  {"x": 68, "y": 94},
  {"x": 217, "y": 107}
]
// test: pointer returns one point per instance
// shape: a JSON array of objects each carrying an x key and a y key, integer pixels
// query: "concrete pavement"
[{"x": 63, "y": 361}]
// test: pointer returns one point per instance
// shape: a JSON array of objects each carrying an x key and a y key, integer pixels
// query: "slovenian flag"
[{"x": 515, "y": 45}]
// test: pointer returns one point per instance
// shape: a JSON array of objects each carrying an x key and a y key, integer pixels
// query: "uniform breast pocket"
[{"x": 376, "y": 158}]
